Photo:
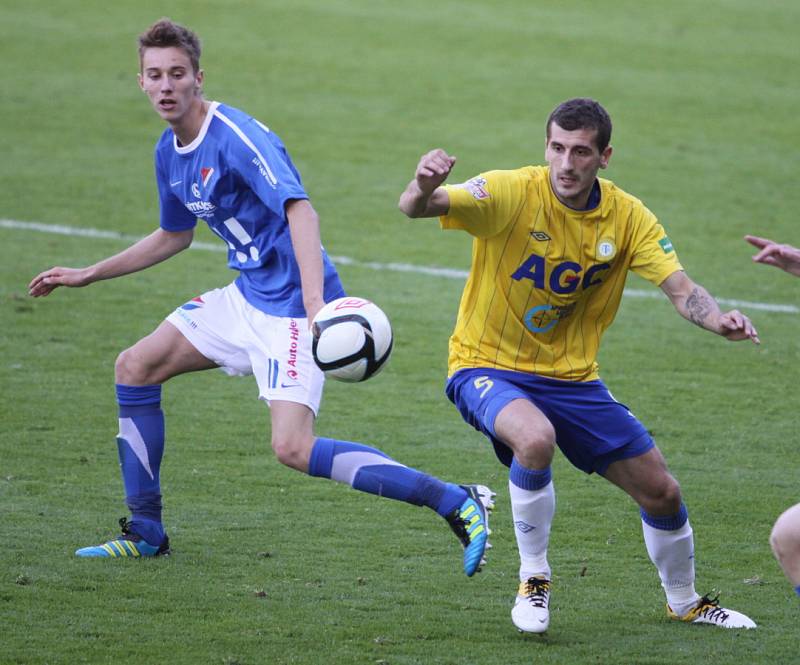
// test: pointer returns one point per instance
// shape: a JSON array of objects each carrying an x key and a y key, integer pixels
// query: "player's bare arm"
[
  {"x": 306, "y": 242},
  {"x": 785, "y": 257},
  {"x": 424, "y": 196},
  {"x": 697, "y": 305},
  {"x": 154, "y": 248}
]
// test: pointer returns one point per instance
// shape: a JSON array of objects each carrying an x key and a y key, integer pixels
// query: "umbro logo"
[
  {"x": 524, "y": 526},
  {"x": 540, "y": 235}
]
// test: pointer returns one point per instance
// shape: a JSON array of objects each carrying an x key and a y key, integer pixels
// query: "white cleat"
[
  {"x": 708, "y": 611},
  {"x": 531, "y": 611}
]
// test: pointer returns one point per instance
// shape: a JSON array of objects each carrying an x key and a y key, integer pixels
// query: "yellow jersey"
[{"x": 546, "y": 280}]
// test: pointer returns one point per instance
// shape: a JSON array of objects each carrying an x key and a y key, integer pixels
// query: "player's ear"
[
  {"x": 198, "y": 80},
  {"x": 605, "y": 156},
  {"x": 140, "y": 81}
]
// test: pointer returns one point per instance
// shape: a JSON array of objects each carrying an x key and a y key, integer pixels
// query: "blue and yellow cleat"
[
  {"x": 470, "y": 522},
  {"x": 128, "y": 544}
]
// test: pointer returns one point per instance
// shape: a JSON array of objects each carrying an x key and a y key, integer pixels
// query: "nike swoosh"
[
  {"x": 176, "y": 183},
  {"x": 289, "y": 385}
]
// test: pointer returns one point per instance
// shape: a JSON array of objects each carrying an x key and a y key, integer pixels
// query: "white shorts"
[{"x": 243, "y": 340}]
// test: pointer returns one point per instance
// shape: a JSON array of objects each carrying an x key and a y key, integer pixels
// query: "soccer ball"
[{"x": 352, "y": 339}]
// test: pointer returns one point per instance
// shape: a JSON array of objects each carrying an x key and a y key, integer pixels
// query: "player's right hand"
[
  {"x": 46, "y": 281},
  {"x": 433, "y": 169},
  {"x": 772, "y": 253}
]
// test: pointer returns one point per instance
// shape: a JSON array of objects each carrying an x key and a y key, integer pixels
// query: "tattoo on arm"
[{"x": 699, "y": 305}]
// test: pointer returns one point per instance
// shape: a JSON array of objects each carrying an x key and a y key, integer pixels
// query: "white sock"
[
  {"x": 673, "y": 554},
  {"x": 533, "y": 512}
]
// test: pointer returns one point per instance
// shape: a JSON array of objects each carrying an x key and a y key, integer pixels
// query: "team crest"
[
  {"x": 475, "y": 186},
  {"x": 195, "y": 190},
  {"x": 606, "y": 249},
  {"x": 205, "y": 175}
]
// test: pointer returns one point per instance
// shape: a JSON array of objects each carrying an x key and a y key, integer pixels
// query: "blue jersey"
[{"x": 238, "y": 177}]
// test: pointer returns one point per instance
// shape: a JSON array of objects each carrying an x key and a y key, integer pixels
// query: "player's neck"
[
  {"x": 188, "y": 127},
  {"x": 585, "y": 200}
]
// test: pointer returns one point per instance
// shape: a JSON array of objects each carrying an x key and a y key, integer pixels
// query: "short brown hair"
[
  {"x": 165, "y": 33},
  {"x": 582, "y": 113}
]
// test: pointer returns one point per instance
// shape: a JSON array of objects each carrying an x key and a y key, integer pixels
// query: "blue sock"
[
  {"x": 141, "y": 445},
  {"x": 371, "y": 470},
  {"x": 529, "y": 479},
  {"x": 668, "y": 523},
  {"x": 797, "y": 590}
]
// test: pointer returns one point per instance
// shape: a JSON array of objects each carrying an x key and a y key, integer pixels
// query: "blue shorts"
[{"x": 592, "y": 428}]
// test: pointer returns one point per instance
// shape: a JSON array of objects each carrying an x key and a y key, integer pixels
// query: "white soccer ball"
[{"x": 352, "y": 339}]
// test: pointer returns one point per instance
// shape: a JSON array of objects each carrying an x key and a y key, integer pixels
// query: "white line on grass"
[{"x": 348, "y": 261}]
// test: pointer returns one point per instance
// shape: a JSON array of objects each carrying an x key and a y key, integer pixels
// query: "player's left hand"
[{"x": 735, "y": 326}]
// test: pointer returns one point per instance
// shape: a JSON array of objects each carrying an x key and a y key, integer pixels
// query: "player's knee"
[
  {"x": 785, "y": 536},
  {"x": 292, "y": 451},
  {"x": 663, "y": 497},
  {"x": 535, "y": 446},
  {"x": 129, "y": 370}
]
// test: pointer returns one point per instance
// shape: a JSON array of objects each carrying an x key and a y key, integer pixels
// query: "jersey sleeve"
[
  {"x": 653, "y": 256},
  {"x": 173, "y": 214},
  {"x": 484, "y": 205},
  {"x": 264, "y": 164}
]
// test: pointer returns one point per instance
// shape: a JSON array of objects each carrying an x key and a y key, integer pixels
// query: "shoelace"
[
  {"x": 536, "y": 591},
  {"x": 125, "y": 527},
  {"x": 460, "y": 525},
  {"x": 709, "y": 608}
]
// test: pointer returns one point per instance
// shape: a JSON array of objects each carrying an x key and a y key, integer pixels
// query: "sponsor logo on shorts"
[
  {"x": 185, "y": 316},
  {"x": 294, "y": 337},
  {"x": 183, "y": 311},
  {"x": 194, "y": 303}
]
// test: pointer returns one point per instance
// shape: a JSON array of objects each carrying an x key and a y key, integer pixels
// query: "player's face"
[
  {"x": 574, "y": 161},
  {"x": 171, "y": 83}
]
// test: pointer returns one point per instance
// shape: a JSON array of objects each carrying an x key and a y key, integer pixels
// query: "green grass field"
[{"x": 271, "y": 566}]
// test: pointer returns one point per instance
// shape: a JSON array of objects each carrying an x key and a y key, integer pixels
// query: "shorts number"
[{"x": 483, "y": 382}]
